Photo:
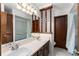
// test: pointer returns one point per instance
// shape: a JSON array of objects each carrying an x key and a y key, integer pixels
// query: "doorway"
[{"x": 60, "y": 31}]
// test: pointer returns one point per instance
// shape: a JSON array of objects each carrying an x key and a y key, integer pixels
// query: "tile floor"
[{"x": 61, "y": 52}]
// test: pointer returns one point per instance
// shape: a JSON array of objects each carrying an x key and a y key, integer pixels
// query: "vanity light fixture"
[
  {"x": 27, "y": 12},
  {"x": 26, "y": 8},
  {"x": 23, "y": 10},
  {"x": 32, "y": 10},
  {"x": 18, "y": 6},
  {"x": 35, "y": 12},
  {"x": 24, "y": 5}
]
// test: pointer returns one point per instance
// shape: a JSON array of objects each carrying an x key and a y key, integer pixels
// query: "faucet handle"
[{"x": 15, "y": 46}]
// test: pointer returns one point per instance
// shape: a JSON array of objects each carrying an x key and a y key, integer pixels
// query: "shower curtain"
[{"x": 71, "y": 34}]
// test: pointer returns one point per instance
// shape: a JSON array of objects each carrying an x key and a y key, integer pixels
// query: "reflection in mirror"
[{"x": 22, "y": 28}]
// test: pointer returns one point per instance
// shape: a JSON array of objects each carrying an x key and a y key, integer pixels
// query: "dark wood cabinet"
[
  {"x": 43, "y": 51},
  {"x": 35, "y": 26},
  {"x": 35, "y": 54},
  {"x": 6, "y": 27},
  {"x": 46, "y": 49},
  {"x": 40, "y": 52}
]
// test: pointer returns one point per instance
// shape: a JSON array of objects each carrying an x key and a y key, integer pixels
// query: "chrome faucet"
[
  {"x": 38, "y": 37},
  {"x": 13, "y": 46}
]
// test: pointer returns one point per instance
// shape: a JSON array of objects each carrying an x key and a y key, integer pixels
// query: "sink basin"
[
  {"x": 41, "y": 40},
  {"x": 20, "y": 52}
]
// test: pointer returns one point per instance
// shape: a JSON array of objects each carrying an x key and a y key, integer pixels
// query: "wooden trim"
[
  {"x": 45, "y": 20},
  {"x": 61, "y": 15},
  {"x": 49, "y": 7}
]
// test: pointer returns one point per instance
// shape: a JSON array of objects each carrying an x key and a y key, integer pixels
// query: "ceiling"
[
  {"x": 56, "y": 5},
  {"x": 40, "y": 5},
  {"x": 59, "y": 6},
  {"x": 62, "y": 6}
]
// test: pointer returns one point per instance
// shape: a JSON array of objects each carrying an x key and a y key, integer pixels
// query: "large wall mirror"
[
  {"x": 15, "y": 25},
  {"x": 22, "y": 28}
]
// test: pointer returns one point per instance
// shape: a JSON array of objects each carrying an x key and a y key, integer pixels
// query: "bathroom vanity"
[{"x": 31, "y": 47}]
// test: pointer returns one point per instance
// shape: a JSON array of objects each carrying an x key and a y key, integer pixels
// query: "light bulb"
[
  {"x": 29, "y": 7},
  {"x": 30, "y": 13},
  {"x": 24, "y": 5},
  {"x": 23, "y": 9},
  {"x": 27, "y": 12},
  {"x": 18, "y": 6},
  {"x": 35, "y": 12},
  {"x": 32, "y": 10}
]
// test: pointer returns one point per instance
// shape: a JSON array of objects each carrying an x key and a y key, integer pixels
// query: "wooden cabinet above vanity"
[
  {"x": 35, "y": 24},
  {"x": 6, "y": 27}
]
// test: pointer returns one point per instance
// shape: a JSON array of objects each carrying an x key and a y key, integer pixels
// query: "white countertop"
[{"x": 33, "y": 46}]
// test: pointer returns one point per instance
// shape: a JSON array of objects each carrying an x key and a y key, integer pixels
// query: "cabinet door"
[
  {"x": 46, "y": 49},
  {"x": 43, "y": 51},
  {"x": 40, "y": 52},
  {"x": 9, "y": 30},
  {"x": 6, "y": 27},
  {"x": 35, "y": 26},
  {"x": 3, "y": 27},
  {"x": 35, "y": 54}
]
